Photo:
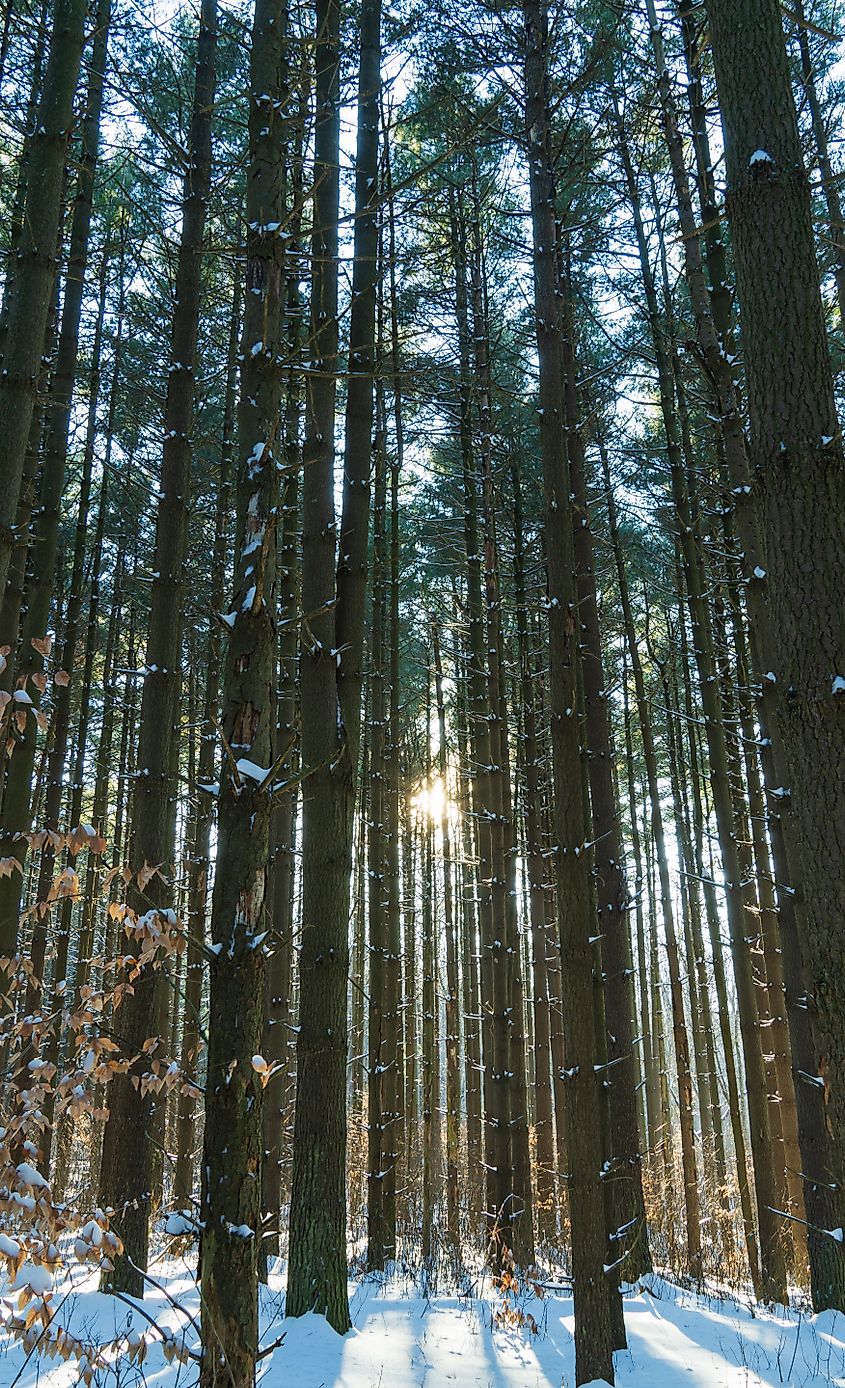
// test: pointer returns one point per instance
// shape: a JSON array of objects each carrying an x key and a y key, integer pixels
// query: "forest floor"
[{"x": 402, "y": 1338}]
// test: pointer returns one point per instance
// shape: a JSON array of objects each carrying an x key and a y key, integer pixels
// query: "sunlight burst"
[{"x": 431, "y": 800}]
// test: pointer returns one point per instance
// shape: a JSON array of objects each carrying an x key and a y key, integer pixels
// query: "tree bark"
[
  {"x": 611, "y": 889},
  {"x": 593, "y": 1351},
  {"x": 381, "y": 1060},
  {"x": 334, "y": 602},
  {"x": 41, "y": 578},
  {"x": 35, "y": 269},
  {"x": 679, "y": 1026},
  {"x": 796, "y": 454},
  {"x": 452, "y": 1006},
  {"x": 126, "y": 1141},
  {"x": 529, "y": 764},
  {"x": 199, "y": 851},
  {"x": 231, "y": 1207}
]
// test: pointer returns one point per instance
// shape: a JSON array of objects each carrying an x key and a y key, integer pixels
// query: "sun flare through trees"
[{"x": 422, "y": 689}]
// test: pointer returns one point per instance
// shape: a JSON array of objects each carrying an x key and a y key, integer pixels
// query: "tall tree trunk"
[
  {"x": 430, "y": 1050},
  {"x": 679, "y": 1026},
  {"x": 233, "y": 1146},
  {"x": 278, "y": 1037},
  {"x": 593, "y": 1352},
  {"x": 693, "y": 852},
  {"x": 39, "y": 53},
  {"x": 796, "y": 453},
  {"x": 199, "y": 852},
  {"x": 830, "y": 180},
  {"x": 393, "y": 961},
  {"x": 381, "y": 1063},
  {"x": 453, "y": 1031},
  {"x": 696, "y": 979},
  {"x": 334, "y": 603},
  {"x": 40, "y": 585},
  {"x": 512, "y": 1174},
  {"x": 34, "y": 272},
  {"x": 812, "y": 1130},
  {"x": 646, "y": 1040},
  {"x": 496, "y": 1143},
  {"x": 469, "y": 954},
  {"x": 409, "y": 1000},
  {"x": 58, "y": 752},
  {"x": 529, "y": 764},
  {"x": 608, "y": 854},
  {"x": 126, "y": 1174}
]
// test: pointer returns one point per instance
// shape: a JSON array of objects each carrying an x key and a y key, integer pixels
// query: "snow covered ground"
[{"x": 401, "y": 1339}]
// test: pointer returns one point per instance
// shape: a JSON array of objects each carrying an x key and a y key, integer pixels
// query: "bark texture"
[{"x": 798, "y": 473}]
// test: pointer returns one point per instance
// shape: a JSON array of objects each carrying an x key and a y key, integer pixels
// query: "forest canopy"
[{"x": 422, "y": 665}]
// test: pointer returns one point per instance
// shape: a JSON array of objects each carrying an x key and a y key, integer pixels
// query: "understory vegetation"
[{"x": 422, "y": 682}]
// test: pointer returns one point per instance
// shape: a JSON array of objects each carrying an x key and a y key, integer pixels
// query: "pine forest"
[{"x": 422, "y": 693}]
